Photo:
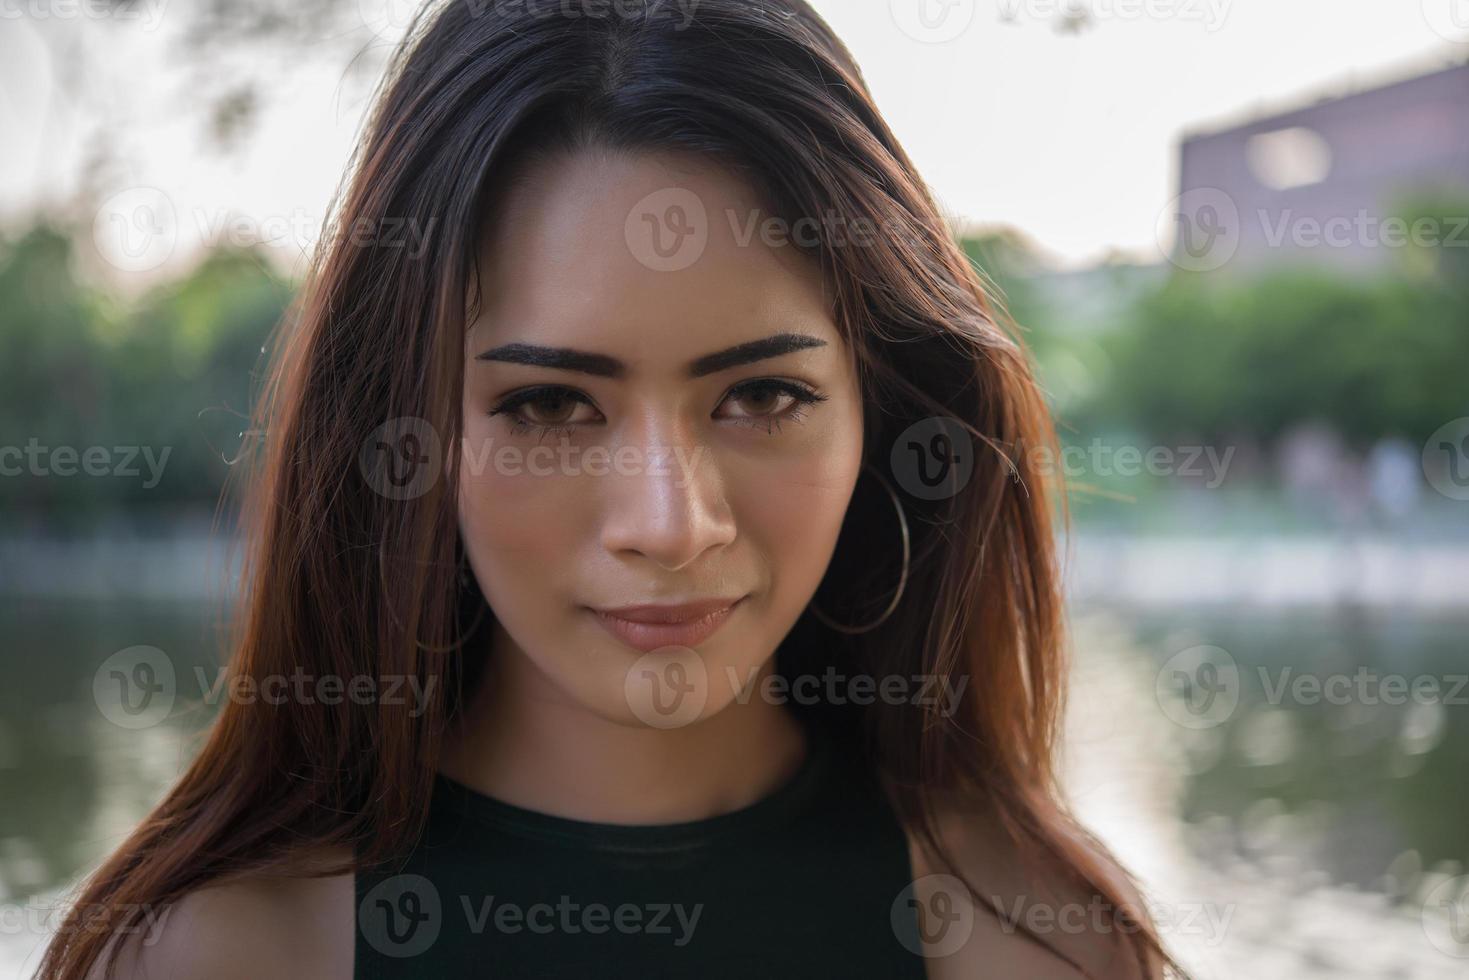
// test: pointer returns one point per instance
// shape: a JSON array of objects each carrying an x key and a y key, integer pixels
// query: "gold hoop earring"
[
  {"x": 467, "y": 582},
  {"x": 464, "y": 578},
  {"x": 902, "y": 577}
]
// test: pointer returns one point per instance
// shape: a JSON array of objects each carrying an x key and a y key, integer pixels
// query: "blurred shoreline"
[{"x": 188, "y": 558}]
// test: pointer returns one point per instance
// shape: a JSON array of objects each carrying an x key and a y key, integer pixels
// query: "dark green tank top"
[{"x": 811, "y": 881}]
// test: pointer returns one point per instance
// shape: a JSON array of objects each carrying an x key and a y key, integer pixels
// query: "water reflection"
[
  {"x": 73, "y": 782},
  {"x": 1300, "y": 833},
  {"x": 1305, "y": 831}
]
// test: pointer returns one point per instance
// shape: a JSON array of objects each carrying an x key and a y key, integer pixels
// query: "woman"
[{"x": 648, "y": 458}]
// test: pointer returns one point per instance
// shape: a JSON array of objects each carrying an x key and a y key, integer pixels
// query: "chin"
[{"x": 678, "y": 686}]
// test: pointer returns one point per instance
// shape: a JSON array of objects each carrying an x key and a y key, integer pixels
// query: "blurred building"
[{"x": 1319, "y": 184}]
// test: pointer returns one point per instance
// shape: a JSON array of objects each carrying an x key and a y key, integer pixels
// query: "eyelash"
[{"x": 803, "y": 395}]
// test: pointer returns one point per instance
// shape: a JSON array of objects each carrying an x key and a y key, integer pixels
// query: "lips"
[{"x": 649, "y": 627}]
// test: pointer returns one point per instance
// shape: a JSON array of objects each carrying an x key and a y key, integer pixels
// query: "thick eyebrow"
[{"x": 569, "y": 359}]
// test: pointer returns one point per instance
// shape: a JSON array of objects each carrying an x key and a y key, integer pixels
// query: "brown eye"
[
  {"x": 546, "y": 408},
  {"x": 549, "y": 410},
  {"x": 767, "y": 399},
  {"x": 763, "y": 401}
]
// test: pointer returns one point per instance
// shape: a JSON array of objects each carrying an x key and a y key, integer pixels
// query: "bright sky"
[{"x": 1070, "y": 137}]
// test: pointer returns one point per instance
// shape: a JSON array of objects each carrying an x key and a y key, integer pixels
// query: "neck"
[{"x": 523, "y": 741}]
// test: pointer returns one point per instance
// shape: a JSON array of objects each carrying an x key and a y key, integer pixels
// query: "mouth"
[{"x": 648, "y": 627}]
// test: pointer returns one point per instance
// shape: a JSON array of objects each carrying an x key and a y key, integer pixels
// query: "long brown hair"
[{"x": 343, "y": 580}]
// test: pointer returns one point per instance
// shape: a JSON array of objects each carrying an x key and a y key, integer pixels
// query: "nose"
[{"x": 670, "y": 507}]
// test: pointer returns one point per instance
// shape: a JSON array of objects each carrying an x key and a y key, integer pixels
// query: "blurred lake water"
[{"x": 1281, "y": 827}]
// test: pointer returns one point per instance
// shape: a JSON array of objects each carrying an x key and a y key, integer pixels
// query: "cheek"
[
  {"x": 518, "y": 526},
  {"x": 792, "y": 510}
]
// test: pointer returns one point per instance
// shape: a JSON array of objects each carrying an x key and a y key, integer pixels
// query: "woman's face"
[{"x": 655, "y": 418}]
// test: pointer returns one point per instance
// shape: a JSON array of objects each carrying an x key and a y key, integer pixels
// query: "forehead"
[{"x": 654, "y": 257}]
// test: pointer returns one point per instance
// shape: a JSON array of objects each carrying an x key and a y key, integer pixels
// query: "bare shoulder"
[
  {"x": 1034, "y": 920},
  {"x": 281, "y": 927}
]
